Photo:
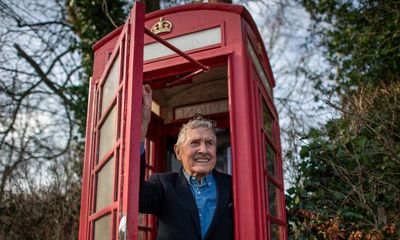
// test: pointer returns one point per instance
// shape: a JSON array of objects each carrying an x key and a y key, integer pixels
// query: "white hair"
[{"x": 194, "y": 123}]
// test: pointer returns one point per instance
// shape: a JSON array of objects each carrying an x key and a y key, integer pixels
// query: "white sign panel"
[
  {"x": 184, "y": 43},
  {"x": 203, "y": 109}
]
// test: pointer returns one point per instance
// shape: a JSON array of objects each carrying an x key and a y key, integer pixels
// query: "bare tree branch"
[{"x": 43, "y": 76}]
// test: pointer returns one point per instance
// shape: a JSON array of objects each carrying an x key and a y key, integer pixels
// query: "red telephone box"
[{"x": 204, "y": 59}]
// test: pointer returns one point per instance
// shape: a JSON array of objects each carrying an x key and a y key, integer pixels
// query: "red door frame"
[
  {"x": 130, "y": 205},
  {"x": 245, "y": 186},
  {"x": 126, "y": 100},
  {"x": 92, "y": 165}
]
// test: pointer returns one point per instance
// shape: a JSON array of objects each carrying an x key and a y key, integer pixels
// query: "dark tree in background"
[{"x": 349, "y": 176}]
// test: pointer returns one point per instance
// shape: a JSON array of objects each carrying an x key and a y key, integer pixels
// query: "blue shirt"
[{"x": 205, "y": 194}]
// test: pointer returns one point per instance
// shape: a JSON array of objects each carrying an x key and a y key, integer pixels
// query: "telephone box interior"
[{"x": 235, "y": 90}]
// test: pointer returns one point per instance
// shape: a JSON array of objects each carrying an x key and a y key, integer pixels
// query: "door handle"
[{"x": 122, "y": 228}]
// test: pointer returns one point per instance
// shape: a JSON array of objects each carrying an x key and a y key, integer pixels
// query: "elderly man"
[{"x": 195, "y": 203}]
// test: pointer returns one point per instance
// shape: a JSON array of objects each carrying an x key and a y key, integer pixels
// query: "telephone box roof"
[
  {"x": 224, "y": 7},
  {"x": 232, "y": 8}
]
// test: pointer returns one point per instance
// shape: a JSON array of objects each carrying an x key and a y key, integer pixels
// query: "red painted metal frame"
[
  {"x": 92, "y": 164},
  {"x": 132, "y": 131},
  {"x": 265, "y": 177},
  {"x": 107, "y": 44},
  {"x": 127, "y": 42},
  {"x": 245, "y": 117},
  {"x": 244, "y": 185}
]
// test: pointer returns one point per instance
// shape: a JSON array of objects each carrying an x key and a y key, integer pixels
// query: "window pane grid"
[
  {"x": 105, "y": 185},
  {"x": 270, "y": 141},
  {"x": 273, "y": 203},
  {"x": 142, "y": 220},
  {"x": 141, "y": 235},
  {"x": 274, "y": 181},
  {"x": 270, "y": 160},
  {"x": 102, "y": 228},
  {"x": 110, "y": 85},
  {"x": 270, "y": 157},
  {"x": 107, "y": 134},
  {"x": 259, "y": 68},
  {"x": 267, "y": 120},
  {"x": 105, "y": 146},
  {"x": 275, "y": 231}
]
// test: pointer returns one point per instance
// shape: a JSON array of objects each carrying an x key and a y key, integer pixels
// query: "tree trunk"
[{"x": 151, "y": 5}]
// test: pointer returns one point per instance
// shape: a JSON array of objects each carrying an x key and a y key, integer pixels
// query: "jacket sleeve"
[{"x": 151, "y": 193}]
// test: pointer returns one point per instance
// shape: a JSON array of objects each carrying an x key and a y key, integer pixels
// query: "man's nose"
[{"x": 202, "y": 148}]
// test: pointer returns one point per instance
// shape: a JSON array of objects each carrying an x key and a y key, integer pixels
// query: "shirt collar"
[{"x": 206, "y": 180}]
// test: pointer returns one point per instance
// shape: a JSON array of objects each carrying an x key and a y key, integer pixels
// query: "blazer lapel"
[
  {"x": 185, "y": 194},
  {"x": 223, "y": 196}
]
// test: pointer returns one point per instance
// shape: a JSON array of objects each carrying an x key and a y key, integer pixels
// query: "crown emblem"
[{"x": 161, "y": 26}]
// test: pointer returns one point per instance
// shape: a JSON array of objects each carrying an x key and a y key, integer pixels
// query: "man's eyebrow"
[
  {"x": 200, "y": 139},
  {"x": 194, "y": 139}
]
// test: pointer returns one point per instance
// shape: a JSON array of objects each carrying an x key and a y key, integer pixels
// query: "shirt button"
[{"x": 198, "y": 192}]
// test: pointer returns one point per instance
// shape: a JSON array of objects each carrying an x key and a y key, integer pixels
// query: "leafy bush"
[{"x": 350, "y": 175}]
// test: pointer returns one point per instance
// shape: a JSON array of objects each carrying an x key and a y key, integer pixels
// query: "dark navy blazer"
[{"x": 168, "y": 197}]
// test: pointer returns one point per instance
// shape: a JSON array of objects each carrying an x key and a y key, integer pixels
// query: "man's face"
[{"x": 198, "y": 153}]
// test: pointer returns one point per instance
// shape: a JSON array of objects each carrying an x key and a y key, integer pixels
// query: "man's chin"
[{"x": 202, "y": 170}]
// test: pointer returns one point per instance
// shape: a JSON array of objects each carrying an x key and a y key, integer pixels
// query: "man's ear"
[{"x": 177, "y": 152}]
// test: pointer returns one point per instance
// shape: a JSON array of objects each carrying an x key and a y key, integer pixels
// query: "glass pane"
[
  {"x": 275, "y": 232},
  {"x": 105, "y": 185},
  {"x": 259, "y": 67},
  {"x": 108, "y": 134},
  {"x": 273, "y": 199},
  {"x": 110, "y": 85},
  {"x": 270, "y": 158},
  {"x": 142, "y": 219},
  {"x": 141, "y": 235},
  {"x": 102, "y": 228},
  {"x": 267, "y": 119}
]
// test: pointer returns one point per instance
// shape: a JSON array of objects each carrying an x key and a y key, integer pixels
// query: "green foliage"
[
  {"x": 349, "y": 177},
  {"x": 361, "y": 41},
  {"x": 351, "y": 171}
]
